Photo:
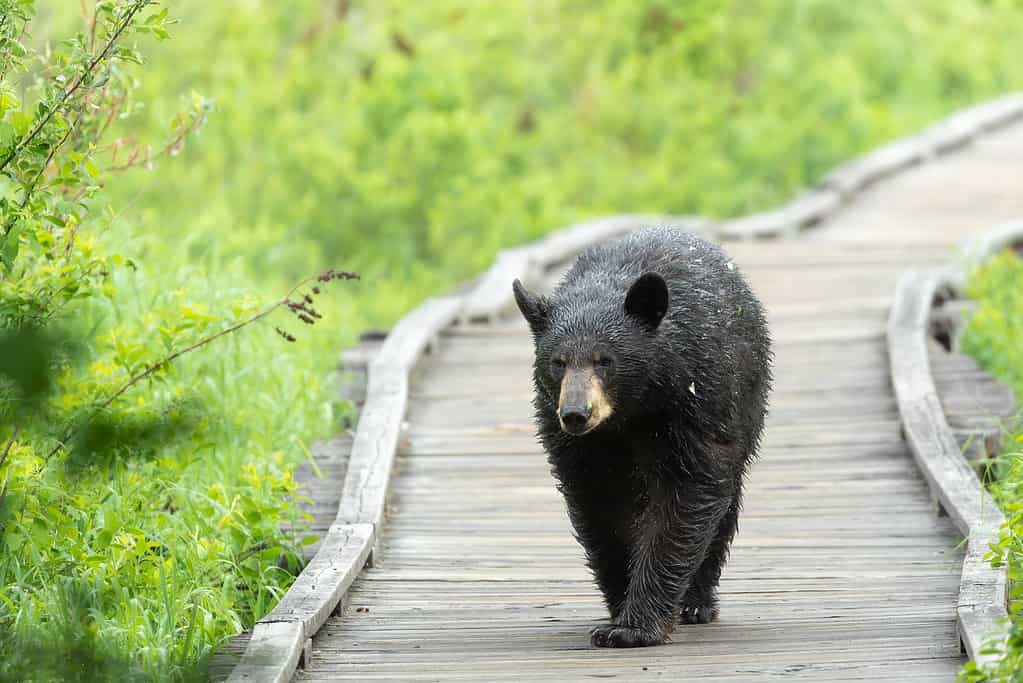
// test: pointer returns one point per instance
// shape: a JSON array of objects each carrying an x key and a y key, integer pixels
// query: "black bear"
[{"x": 652, "y": 372}]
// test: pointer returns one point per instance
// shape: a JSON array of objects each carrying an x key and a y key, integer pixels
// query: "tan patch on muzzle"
[{"x": 582, "y": 391}]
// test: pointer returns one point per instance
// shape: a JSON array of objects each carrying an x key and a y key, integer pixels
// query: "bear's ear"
[
  {"x": 647, "y": 300},
  {"x": 535, "y": 309}
]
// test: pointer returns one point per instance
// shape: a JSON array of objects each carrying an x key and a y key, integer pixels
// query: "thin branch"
[
  {"x": 73, "y": 88},
  {"x": 177, "y": 354},
  {"x": 115, "y": 109},
  {"x": 35, "y": 181},
  {"x": 10, "y": 445},
  {"x": 203, "y": 342},
  {"x": 3, "y": 459},
  {"x": 170, "y": 149},
  {"x": 7, "y": 54},
  {"x": 92, "y": 26},
  {"x": 163, "y": 362},
  {"x": 90, "y": 22}
]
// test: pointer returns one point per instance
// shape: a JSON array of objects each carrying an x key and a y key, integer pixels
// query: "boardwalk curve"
[
  {"x": 981, "y": 606},
  {"x": 837, "y": 529}
]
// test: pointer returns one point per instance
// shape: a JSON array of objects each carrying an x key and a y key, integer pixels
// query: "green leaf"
[
  {"x": 7, "y": 135},
  {"x": 22, "y": 122},
  {"x": 10, "y": 245},
  {"x": 8, "y": 101}
]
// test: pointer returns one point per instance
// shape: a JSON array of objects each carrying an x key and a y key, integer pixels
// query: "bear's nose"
[{"x": 574, "y": 420}]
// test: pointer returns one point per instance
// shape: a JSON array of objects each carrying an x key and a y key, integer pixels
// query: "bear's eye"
[
  {"x": 559, "y": 362},
  {"x": 603, "y": 361}
]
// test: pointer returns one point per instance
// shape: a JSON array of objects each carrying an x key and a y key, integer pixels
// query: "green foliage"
[
  {"x": 408, "y": 141},
  {"x": 53, "y": 110},
  {"x": 141, "y": 501},
  {"x": 994, "y": 336}
]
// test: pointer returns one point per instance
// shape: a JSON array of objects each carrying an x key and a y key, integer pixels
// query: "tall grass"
[{"x": 407, "y": 141}]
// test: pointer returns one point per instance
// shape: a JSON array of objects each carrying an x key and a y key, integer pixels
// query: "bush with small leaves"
[{"x": 141, "y": 514}]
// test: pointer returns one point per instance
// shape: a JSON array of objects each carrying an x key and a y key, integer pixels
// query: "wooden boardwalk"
[
  {"x": 841, "y": 570},
  {"x": 944, "y": 201}
]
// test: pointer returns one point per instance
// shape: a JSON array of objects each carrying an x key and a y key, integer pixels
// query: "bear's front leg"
[
  {"x": 671, "y": 541},
  {"x": 600, "y": 517}
]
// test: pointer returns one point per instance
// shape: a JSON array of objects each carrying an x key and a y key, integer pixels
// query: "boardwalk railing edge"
[
  {"x": 981, "y": 607},
  {"x": 280, "y": 641},
  {"x": 852, "y": 177}
]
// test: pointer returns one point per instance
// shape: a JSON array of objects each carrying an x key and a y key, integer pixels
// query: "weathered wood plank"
[
  {"x": 376, "y": 438},
  {"x": 272, "y": 654},
  {"x": 492, "y": 295},
  {"x": 1005, "y": 236},
  {"x": 852, "y": 176},
  {"x": 803, "y": 211},
  {"x": 319, "y": 588},
  {"x": 278, "y": 641},
  {"x": 952, "y": 481}
]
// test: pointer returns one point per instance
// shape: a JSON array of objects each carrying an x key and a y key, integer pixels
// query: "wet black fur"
[{"x": 654, "y": 492}]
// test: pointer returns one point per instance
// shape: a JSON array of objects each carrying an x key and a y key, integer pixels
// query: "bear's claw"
[
  {"x": 698, "y": 614},
  {"x": 612, "y": 635}
]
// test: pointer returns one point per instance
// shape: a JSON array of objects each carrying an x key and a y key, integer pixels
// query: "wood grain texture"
[
  {"x": 369, "y": 468},
  {"x": 279, "y": 640},
  {"x": 853, "y": 176},
  {"x": 948, "y": 199},
  {"x": 1006, "y": 236},
  {"x": 805, "y": 210},
  {"x": 319, "y": 588},
  {"x": 493, "y": 293},
  {"x": 376, "y": 437},
  {"x": 478, "y": 577},
  {"x": 981, "y": 605},
  {"x": 850, "y": 178},
  {"x": 272, "y": 654}
]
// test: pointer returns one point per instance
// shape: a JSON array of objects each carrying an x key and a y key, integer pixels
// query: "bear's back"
[{"x": 700, "y": 276}]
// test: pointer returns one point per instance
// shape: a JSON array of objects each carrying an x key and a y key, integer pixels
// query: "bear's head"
[{"x": 592, "y": 352}]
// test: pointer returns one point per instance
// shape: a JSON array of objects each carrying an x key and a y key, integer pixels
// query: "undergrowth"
[{"x": 994, "y": 336}]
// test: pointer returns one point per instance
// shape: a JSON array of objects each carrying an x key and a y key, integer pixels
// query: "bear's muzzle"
[{"x": 583, "y": 404}]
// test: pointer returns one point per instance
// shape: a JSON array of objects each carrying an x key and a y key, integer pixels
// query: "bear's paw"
[
  {"x": 613, "y": 635},
  {"x": 698, "y": 614}
]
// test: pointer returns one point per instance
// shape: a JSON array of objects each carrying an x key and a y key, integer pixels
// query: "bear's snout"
[
  {"x": 574, "y": 419},
  {"x": 583, "y": 404}
]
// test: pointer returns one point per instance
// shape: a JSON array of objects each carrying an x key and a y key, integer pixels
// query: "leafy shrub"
[
  {"x": 140, "y": 518},
  {"x": 994, "y": 336},
  {"x": 408, "y": 141}
]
